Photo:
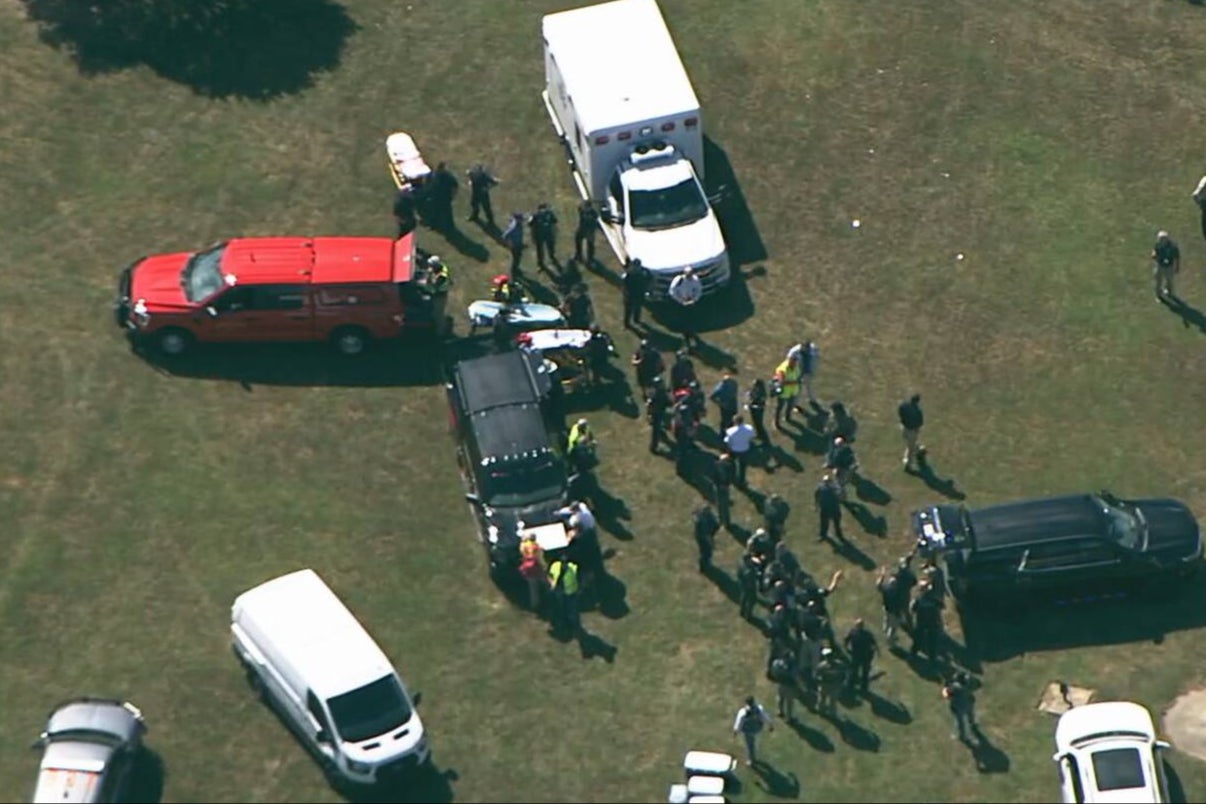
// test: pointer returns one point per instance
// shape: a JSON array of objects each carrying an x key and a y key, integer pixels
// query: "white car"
[
  {"x": 1108, "y": 752},
  {"x": 89, "y": 748}
]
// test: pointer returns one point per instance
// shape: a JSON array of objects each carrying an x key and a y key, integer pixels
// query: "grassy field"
[{"x": 1044, "y": 141}]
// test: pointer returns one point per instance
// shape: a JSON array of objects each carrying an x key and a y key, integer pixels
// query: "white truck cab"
[
  {"x": 623, "y": 106},
  {"x": 310, "y": 659}
]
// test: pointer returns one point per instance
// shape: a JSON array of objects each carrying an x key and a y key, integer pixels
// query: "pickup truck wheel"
[
  {"x": 350, "y": 341},
  {"x": 173, "y": 342}
]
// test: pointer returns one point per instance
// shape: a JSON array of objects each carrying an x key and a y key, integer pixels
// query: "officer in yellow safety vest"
[
  {"x": 580, "y": 446},
  {"x": 787, "y": 383},
  {"x": 563, "y": 580}
]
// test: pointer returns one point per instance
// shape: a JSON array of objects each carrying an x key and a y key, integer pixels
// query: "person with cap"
[
  {"x": 738, "y": 441},
  {"x": 648, "y": 365},
  {"x": 828, "y": 500},
  {"x": 531, "y": 568},
  {"x": 599, "y": 351},
  {"x": 582, "y": 530},
  {"x": 686, "y": 290},
  {"x": 842, "y": 461},
  {"x": 724, "y": 475},
  {"x": 911, "y": 421},
  {"x": 705, "y": 526},
  {"x": 1199, "y": 198},
  {"x": 760, "y": 547},
  {"x": 751, "y": 719},
  {"x": 831, "y": 678},
  {"x": 634, "y": 285},
  {"x": 657, "y": 405},
  {"x": 563, "y": 581},
  {"x": 748, "y": 572},
  {"x": 786, "y": 383},
  {"x": 861, "y": 648},
  {"x": 580, "y": 445},
  {"x": 961, "y": 699},
  {"x": 480, "y": 183},
  {"x": 1166, "y": 264},
  {"x": 808, "y": 356},
  {"x": 584, "y": 234},
  {"x": 512, "y": 237},
  {"x": 543, "y": 224}
]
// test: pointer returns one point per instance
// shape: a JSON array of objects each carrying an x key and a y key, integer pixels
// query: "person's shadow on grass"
[
  {"x": 943, "y": 485},
  {"x": 869, "y": 522},
  {"x": 774, "y": 782},
  {"x": 849, "y": 551},
  {"x": 724, "y": 582},
  {"x": 592, "y": 645},
  {"x": 858, "y": 737},
  {"x": 889, "y": 710},
  {"x": 815, "y": 738},
  {"x": 989, "y": 758}
]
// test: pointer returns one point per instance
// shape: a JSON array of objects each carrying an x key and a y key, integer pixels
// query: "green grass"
[{"x": 1045, "y": 141}]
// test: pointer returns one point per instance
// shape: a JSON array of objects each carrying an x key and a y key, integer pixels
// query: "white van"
[{"x": 309, "y": 657}]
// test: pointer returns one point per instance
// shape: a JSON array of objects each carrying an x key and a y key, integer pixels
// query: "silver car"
[{"x": 89, "y": 747}]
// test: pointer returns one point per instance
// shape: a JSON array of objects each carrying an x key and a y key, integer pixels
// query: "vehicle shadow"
[
  {"x": 146, "y": 777},
  {"x": 737, "y": 223},
  {"x": 257, "y": 49},
  {"x": 1048, "y": 624},
  {"x": 396, "y": 364},
  {"x": 943, "y": 485},
  {"x": 429, "y": 784}
]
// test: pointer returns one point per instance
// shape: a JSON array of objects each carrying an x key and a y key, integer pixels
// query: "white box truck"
[{"x": 622, "y": 104}]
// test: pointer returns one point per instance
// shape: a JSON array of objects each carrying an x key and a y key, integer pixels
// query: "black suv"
[
  {"x": 509, "y": 448},
  {"x": 1082, "y": 545}
]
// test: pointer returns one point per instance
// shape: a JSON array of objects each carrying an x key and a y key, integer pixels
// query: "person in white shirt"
[
  {"x": 578, "y": 518},
  {"x": 1199, "y": 198},
  {"x": 749, "y": 722},
  {"x": 738, "y": 440},
  {"x": 686, "y": 290},
  {"x": 808, "y": 355}
]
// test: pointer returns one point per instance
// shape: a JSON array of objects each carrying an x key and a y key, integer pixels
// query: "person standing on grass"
[
  {"x": 738, "y": 441},
  {"x": 686, "y": 290},
  {"x": 774, "y": 513},
  {"x": 512, "y": 237},
  {"x": 787, "y": 382},
  {"x": 782, "y": 672},
  {"x": 1199, "y": 198},
  {"x": 1166, "y": 264},
  {"x": 755, "y": 404},
  {"x": 895, "y": 603},
  {"x": 860, "y": 646},
  {"x": 480, "y": 184},
  {"x": 648, "y": 365},
  {"x": 705, "y": 525},
  {"x": 808, "y": 356},
  {"x": 747, "y": 584},
  {"x": 657, "y": 405},
  {"x": 724, "y": 475},
  {"x": 751, "y": 719},
  {"x": 634, "y": 285},
  {"x": 584, "y": 235},
  {"x": 828, "y": 499},
  {"x": 531, "y": 567},
  {"x": 927, "y": 623},
  {"x": 544, "y": 234},
  {"x": 831, "y": 677},
  {"x": 962, "y": 702},
  {"x": 726, "y": 396},
  {"x": 404, "y": 211},
  {"x": 911, "y": 421}
]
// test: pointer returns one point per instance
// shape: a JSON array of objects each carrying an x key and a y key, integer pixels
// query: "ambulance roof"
[{"x": 619, "y": 64}]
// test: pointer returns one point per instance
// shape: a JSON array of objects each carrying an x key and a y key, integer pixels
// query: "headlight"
[
  {"x": 140, "y": 314},
  {"x": 359, "y": 767},
  {"x": 492, "y": 534}
]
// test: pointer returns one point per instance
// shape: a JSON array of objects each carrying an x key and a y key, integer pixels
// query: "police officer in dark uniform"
[
  {"x": 579, "y": 311},
  {"x": 774, "y": 512},
  {"x": 657, "y": 404},
  {"x": 829, "y": 507},
  {"x": 861, "y": 647},
  {"x": 635, "y": 284},
  {"x": 584, "y": 235},
  {"x": 682, "y": 373},
  {"x": 706, "y": 525},
  {"x": 544, "y": 234},
  {"x": 927, "y": 623},
  {"x": 724, "y": 474},
  {"x": 480, "y": 183},
  {"x": 599, "y": 350},
  {"x": 755, "y": 403},
  {"x": 747, "y": 583},
  {"x": 648, "y": 365}
]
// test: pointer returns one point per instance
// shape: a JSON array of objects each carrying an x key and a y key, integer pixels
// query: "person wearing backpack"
[{"x": 751, "y": 719}]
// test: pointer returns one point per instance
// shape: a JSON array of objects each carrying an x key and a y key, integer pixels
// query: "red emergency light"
[{"x": 624, "y": 135}]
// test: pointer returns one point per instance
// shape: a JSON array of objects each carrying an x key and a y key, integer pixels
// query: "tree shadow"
[
  {"x": 726, "y": 583},
  {"x": 943, "y": 485},
  {"x": 892, "y": 711},
  {"x": 989, "y": 758},
  {"x": 257, "y": 49},
  {"x": 868, "y": 490},
  {"x": 850, "y": 551},
  {"x": 869, "y": 522},
  {"x": 858, "y": 737},
  {"x": 737, "y": 223},
  {"x": 816, "y": 739},
  {"x": 427, "y": 784},
  {"x": 386, "y": 364},
  {"x": 1047, "y": 623},
  {"x": 147, "y": 776},
  {"x": 774, "y": 782}
]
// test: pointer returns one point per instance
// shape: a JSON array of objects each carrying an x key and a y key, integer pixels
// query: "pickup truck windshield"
[
  {"x": 524, "y": 484},
  {"x": 369, "y": 711},
  {"x": 202, "y": 275},
  {"x": 1122, "y": 525},
  {"x": 668, "y": 207}
]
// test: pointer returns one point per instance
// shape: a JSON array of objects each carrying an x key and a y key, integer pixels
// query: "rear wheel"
[
  {"x": 350, "y": 341},
  {"x": 173, "y": 342}
]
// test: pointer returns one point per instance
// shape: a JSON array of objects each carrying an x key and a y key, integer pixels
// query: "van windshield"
[
  {"x": 370, "y": 711},
  {"x": 667, "y": 207},
  {"x": 202, "y": 275}
]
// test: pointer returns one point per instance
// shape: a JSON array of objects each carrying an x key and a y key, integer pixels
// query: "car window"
[
  {"x": 1118, "y": 769},
  {"x": 279, "y": 298},
  {"x": 617, "y": 191},
  {"x": 234, "y": 300},
  {"x": 1071, "y": 553}
]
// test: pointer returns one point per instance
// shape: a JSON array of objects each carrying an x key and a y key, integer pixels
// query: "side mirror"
[
  {"x": 417, "y": 699},
  {"x": 473, "y": 498},
  {"x": 211, "y": 311},
  {"x": 323, "y": 737},
  {"x": 1057, "y": 756},
  {"x": 40, "y": 742},
  {"x": 1163, "y": 745}
]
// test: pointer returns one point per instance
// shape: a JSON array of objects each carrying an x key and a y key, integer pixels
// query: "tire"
[
  {"x": 173, "y": 342},
  {"x": 350, "y": 341}
]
